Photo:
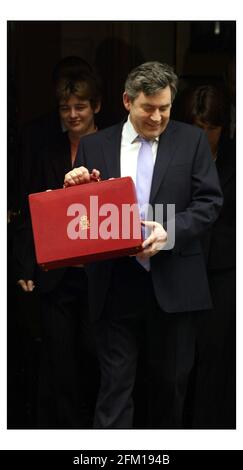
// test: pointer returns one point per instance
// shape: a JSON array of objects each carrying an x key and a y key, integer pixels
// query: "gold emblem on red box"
[{"x": 84, "y": 222}]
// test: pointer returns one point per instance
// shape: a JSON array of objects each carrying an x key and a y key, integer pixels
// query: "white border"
[{"x": 141, "y": 439}]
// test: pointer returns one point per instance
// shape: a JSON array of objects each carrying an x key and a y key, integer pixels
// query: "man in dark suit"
[{"x": 155, "y": 297}]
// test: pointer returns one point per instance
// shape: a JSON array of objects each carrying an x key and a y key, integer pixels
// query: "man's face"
[
  {"x": 149, "y": 113},
  {"x": 77, "y": 115}
]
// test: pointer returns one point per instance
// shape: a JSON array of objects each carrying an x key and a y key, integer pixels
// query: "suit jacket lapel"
[
  {"x": 163, "y": 159},
  {"x": 111, "y": 152}
]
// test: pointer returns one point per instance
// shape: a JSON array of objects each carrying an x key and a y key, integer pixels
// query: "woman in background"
[
  {"x": 214, "y": 394},
  {"x": 68, "y": 372}
]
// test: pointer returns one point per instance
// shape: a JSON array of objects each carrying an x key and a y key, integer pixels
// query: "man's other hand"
[{"x": 155, "y": 242}]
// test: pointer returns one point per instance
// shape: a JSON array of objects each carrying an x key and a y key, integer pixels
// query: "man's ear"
[{"x": 126, "y": 101}]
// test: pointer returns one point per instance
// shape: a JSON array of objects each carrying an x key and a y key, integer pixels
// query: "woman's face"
[
  {"x": 213, "y": 132},
  {"x": 77, "y": 115}
]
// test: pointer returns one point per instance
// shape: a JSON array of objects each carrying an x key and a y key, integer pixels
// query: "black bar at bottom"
[{"x": 106, "y": 459}]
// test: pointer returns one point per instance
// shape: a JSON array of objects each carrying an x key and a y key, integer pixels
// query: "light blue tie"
[{"x": 145, "y": 166}]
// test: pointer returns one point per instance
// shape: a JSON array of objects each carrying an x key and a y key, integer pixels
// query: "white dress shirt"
[{"x": 130, "y": 146}]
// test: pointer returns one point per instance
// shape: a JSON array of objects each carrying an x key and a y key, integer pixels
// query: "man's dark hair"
[{"x": 150, "y": 78}]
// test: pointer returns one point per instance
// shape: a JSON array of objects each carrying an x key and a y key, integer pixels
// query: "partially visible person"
[
  {"x": 156, "y": 297},
  {"x": 206, "y": 107},
  {"x": 230, "y": 83},
  {"x": 37, "y": 133},
  {"x": 68, "y": 372}
]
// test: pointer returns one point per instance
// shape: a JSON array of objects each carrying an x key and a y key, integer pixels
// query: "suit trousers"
[
  {"x": 69, "y": 375},
  {"x": 131, "y": 322}
]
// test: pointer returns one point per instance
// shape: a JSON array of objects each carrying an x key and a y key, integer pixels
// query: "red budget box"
[{"x": 85, "y": 223}]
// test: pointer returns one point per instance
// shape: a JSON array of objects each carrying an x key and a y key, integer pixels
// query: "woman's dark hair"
[
  {"x": 206, "y": 103},
  {"x": 85, "y": 87}
]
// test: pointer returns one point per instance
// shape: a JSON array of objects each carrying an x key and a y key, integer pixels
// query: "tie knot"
[{"x": 143, "y": 140}]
